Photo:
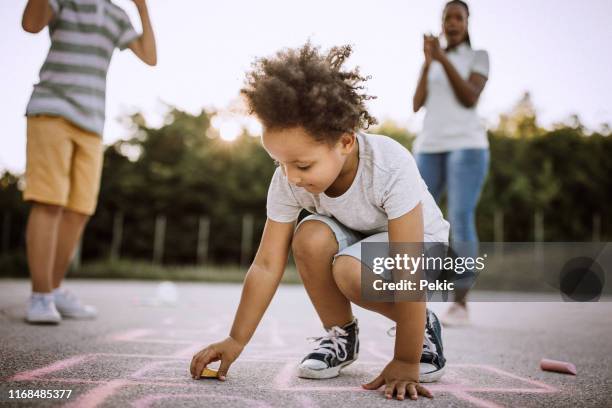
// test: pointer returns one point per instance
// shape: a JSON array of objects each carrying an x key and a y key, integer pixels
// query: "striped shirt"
[{"x": 84, "y": 34}]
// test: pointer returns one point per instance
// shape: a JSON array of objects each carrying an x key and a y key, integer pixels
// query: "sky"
[{"x": 555, "y": 49}]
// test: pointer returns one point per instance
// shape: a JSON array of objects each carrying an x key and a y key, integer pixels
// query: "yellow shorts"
[{"x": 63, "y": 164}]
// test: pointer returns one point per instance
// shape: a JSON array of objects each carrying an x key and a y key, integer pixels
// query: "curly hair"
[{"x": 303, "y": 87}]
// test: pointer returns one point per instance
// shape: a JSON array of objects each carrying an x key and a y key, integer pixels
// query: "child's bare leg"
[
  {"x": 314, "y": 246},
  {"x": 41, "y": 240},
  {"x": 347, "y": 275},
  {"x": 70, "y": 229}
]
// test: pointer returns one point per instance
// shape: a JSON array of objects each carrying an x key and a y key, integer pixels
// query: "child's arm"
[
  {"x": 144, "y": 46},
  {"x": 259, "y": 287},
  {"x": 401, "y": 375},
  {"x": 411, "y": 324},
  {"x": 36, "y": 16}
]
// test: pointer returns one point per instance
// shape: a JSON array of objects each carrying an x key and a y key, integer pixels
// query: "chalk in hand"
[
  {"x": 208, "y": 373},
  {"x": 557, "y": 366}
]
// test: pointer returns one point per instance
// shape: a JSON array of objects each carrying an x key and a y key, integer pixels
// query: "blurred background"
[{"x": 185, "y": 177}]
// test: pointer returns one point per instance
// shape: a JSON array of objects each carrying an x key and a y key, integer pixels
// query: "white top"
[
  {"x": 448, "y": 125},
  {"x": 387, "y": 185}
]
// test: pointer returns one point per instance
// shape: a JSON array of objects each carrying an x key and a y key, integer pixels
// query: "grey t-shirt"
[{"x": 387, "y": 186}]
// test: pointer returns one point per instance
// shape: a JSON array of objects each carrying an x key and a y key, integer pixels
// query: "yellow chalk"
[{"x": 208, "y": 373}]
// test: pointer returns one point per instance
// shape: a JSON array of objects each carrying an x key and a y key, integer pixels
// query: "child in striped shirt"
[{"x": 65, "y": 121}]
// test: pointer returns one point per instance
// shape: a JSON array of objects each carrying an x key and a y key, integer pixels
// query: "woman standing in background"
[{"x": 452, "y": 150}]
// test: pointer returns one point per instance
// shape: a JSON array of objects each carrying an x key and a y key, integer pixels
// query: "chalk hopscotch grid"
[{"x": 259, "y": 351}]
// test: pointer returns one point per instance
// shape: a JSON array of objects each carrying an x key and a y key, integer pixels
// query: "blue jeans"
[{"x": 462, "y": 174}]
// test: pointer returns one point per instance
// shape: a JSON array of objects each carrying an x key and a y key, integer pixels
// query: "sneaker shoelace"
[
  {"x": 333, "y": 343},
  {"x": 428, "y": 344}
]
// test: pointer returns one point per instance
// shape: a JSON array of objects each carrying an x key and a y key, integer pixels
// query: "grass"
[
  {"x": 15, "y": 266},
  {"x": 139, "y": 270}
]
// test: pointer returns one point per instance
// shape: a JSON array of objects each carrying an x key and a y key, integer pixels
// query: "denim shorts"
[{"x": 349, "y": 241}]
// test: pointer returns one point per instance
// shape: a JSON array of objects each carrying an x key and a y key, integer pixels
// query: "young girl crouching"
[{"x": 358, "y": 188}]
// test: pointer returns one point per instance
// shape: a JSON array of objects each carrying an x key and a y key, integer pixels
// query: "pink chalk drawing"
[
  {"x": 167, "y": 335},
  {"x": 463, "y": 391},
  {"x": 479, "y": 402},
  {"x": 32, "y": 375},
  {"x": 176, "y": 399},
  {"x": 306, "y": 402},
  {"x": 164, "y": 366},
  {"x": 172, "y": 371},
  {"x": 131, "y": 335},
  {"x": 97, "y": 395}
]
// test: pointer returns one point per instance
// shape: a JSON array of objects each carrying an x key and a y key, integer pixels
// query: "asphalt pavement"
[{"x": 137, "y": 352}]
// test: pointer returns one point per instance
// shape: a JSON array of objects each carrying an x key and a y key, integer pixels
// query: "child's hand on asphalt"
[
  {"x": 400, "y": 378},
  {"x": 226, "y": 350}
]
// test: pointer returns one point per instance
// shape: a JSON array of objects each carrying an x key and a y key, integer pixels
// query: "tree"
[{"x": 521, "y": 121}]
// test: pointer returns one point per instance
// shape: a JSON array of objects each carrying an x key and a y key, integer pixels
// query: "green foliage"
[
  {"x": 184, "y": 175},
  {"x": 564, "y": 174},
  {"x": 13, "y": 214},
  {"x": 397, "y": 132},
  {"x": 139, "y": 270},
  {"x": 178, "y": 171}
]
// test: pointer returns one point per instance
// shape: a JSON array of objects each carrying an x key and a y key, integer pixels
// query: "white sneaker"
[
  {"x": 456, "y": 316},
  {"x": 69, "y": 306},
  {"x": 41, "y": 309}
]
